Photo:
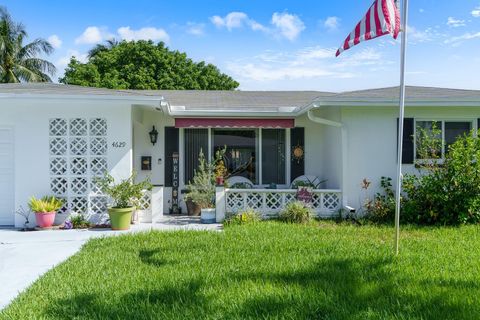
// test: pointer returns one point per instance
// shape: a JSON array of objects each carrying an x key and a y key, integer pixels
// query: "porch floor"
[{"x": 182, "y": 222}]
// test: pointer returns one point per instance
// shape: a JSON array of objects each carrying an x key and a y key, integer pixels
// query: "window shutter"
[
  {"x": 408, "y": 154},
  {"x": 195, "y": 140},
  {"x": 273, "y": 156},
  {"x": 297, "y": 138},
  {"x": 171, "y": 146}
]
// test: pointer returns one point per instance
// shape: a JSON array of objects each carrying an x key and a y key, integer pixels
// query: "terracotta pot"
[
  {"x": 193, "y": 209},
  {"x": 45, "y": 219},
  {"x": 219, "y": 181}
]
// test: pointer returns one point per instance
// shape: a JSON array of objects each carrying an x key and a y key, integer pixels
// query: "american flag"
[{"x": 382, "y": 18}]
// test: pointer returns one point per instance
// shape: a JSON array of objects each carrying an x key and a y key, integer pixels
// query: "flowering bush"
[{"x": 247, "y": 216}]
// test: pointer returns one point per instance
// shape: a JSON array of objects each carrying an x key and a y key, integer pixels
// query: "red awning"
[{"x": 233, "y": 123}]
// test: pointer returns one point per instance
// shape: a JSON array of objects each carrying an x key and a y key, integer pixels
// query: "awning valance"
[{"x": 233, "y": 123}]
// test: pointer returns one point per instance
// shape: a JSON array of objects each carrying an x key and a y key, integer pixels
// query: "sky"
[{"x": 272, "y": 45}]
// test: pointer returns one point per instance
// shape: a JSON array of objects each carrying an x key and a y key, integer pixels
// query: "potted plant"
[
  {"x": 45, "y": 210},
  {"x": 201, "y": 190},
  {"x": 193, "y": 209},
  {"x": 220, "y": 173},
  {"x": 125, "y": 196}
]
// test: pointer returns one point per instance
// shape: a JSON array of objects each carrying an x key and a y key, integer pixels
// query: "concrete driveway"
[{"x": 25, "y": 256}]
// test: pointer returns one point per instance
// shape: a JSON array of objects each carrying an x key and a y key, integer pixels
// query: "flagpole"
[{"x": 400, "y": 125}]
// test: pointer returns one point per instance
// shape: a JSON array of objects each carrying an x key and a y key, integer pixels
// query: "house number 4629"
[{"x": 119, "y": 144}]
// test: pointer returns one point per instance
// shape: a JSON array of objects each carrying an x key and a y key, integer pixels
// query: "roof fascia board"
[{"x": 219, "y": 114}]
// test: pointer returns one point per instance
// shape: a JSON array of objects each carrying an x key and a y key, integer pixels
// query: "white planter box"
[{"x": 208, "y": 216}]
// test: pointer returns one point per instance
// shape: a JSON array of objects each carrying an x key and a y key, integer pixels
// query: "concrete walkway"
[{"x": 25, "y": 256}]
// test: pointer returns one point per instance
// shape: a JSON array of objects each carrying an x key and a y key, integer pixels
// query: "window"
[
  {"x": 447, "y": 131},
  {"x": 240, "y": 157},
  {"x": 454, "y": 130}
]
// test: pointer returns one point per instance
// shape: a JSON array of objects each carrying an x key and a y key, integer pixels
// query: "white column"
[
  {"x": 220, "y": 205},
  {"x": 157, "y": 204}
]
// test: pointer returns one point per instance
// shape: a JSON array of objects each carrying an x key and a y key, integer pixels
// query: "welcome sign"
[{"x": 175, "y": 179}]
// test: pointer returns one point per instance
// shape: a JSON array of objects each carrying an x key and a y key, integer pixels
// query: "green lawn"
[{"x": 269, "y": 270}]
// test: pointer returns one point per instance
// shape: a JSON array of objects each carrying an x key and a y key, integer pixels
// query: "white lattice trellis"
[
  {"x": 78, "y": 149},
  {"x": 325, "y": 202}
]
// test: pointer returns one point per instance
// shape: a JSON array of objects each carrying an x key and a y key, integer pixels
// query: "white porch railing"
[
  {"x": 144, "y": 210},
  {"x": 325, "y": 203}
]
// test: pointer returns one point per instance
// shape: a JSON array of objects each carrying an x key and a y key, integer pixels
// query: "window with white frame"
[{"x": 448, "y": 131}]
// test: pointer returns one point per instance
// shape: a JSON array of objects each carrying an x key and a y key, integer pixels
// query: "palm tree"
[
  {"x": 109, "y": 44},
  {"x": 18, "y": 62}
]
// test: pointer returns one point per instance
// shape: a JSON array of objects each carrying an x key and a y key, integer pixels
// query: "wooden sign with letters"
[{"x": 175, "y": 183}]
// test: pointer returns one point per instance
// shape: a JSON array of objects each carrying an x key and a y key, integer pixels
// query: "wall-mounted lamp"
[{"x": 153, "y": 135}]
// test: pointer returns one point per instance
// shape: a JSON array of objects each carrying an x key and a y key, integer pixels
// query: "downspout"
[
  {"x": 336, "y": 124},
  {"x": 323, "y": 120}
]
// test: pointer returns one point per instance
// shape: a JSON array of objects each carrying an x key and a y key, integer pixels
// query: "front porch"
[
  {"x": 325, "y": 203},
  {"x": 265, "y": 153}
]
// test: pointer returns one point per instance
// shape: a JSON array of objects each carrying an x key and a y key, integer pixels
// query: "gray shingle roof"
[
  {"x": 417, "y": 94},
  {"x": 60, "y": 89},
  {"x": 198, "y": 100},
  {"x": 191, "y": 99}
]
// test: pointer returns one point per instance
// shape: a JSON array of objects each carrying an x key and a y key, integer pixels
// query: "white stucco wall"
[
  {"x": 323, "y": 152},
  {"x": 143, "y": 121},
  {"x": 372, "y": 143},
  {"x": 30, "y": 119}
]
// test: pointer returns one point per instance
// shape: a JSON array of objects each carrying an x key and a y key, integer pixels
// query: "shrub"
[
  {"x": 79, "y": 221},
  {"x": 125, "y": 193},
  {"x": 45, "y": 205},
  {"x": 296, "y": 212},
  {"x": 201, "y": 189},
  {"x": 247, "y": 216},
  {"x": 446, "y": 192},
  {"x": 381, "y": 208}
]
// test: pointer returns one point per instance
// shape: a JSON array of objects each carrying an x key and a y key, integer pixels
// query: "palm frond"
[
  {"x": 39, "y": 65},
  {"x": 19, "y": 63},
  {"x": 37, "y": 46},
  {"x": 24, "y": 74}
]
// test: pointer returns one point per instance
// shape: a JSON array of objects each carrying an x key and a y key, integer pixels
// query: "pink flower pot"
[{"x": 45, "y": 219}]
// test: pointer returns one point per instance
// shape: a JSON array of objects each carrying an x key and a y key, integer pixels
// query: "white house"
[{"x": 55, "y": 138}]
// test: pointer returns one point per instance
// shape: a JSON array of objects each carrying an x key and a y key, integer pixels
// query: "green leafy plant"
[
  {"x": 220, "y": 170},
  {"x": 46, "y": 204},
  {"x": 241, "y": 185},
  {"x": 381, "y": 208},
  {"x": 247, "y": 216},
  {"x": 201, "y": 190},
  {"x": 79, "y": 221},
  {"x": 296, "y": 212},
  {"x": 447, "y": 191},
  {"x": 315, "y": 183},
  {"x": 124, "y": 194}
]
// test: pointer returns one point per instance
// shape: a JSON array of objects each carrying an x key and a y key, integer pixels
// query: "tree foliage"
[
  {"x": 19, "y": 62},
  {"x": 144, "y": 65}
]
